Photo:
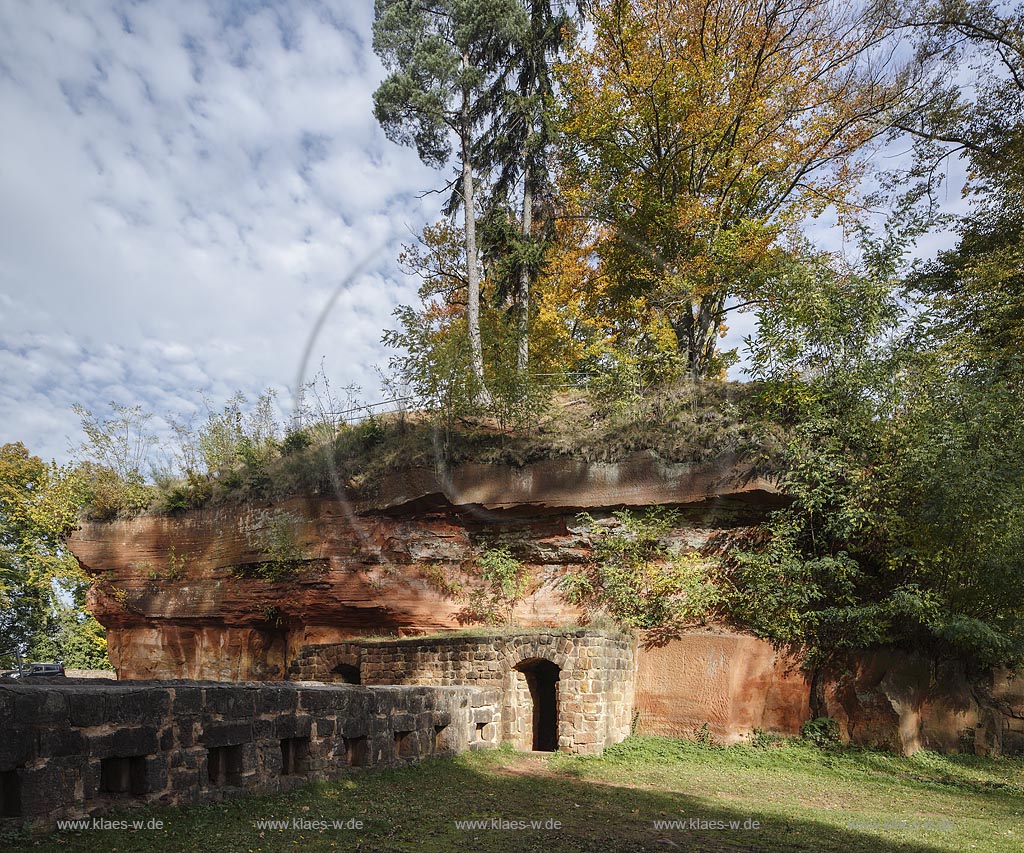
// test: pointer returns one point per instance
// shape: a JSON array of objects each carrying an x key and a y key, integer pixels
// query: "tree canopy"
[{"x": 42, "y": 589}]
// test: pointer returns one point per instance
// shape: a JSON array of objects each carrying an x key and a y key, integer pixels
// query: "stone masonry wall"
[
  {"x": 594, "y": 691},
  {"x": 72, "y": 750}
]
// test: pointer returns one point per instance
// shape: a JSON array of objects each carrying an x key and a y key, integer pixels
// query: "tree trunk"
[
  {"x": 524, "y": 276},
  {"x": 695, "y": 336},
  {"x": 684, "y": 332},
  {"x": 472, "y": 264}
]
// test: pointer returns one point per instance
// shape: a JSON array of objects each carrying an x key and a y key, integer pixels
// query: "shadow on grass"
[
  {"x": 928, "y": 769},
  {"x": 416, "y": 808}
]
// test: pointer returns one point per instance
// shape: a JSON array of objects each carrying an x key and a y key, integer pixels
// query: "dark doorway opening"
[
  {"x": 10, "y": 794},
  {"x": 542, "y": 680},
  {"x": 347, "y": 673}
]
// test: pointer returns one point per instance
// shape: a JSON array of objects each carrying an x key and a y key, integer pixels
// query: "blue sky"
[{"x": 183, "y": 186}]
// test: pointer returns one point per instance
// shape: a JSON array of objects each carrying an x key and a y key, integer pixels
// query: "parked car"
[{"x": 43, "y": 670}]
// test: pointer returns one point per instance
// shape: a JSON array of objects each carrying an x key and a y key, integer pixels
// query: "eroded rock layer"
[
  {"x": 193, "y": 596},
  {"x": 235, "y": 592}
]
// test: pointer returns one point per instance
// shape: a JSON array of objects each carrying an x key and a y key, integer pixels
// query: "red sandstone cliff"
[{"x": 178, "y": 600}]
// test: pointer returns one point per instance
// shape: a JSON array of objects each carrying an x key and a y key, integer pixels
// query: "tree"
[
  {"x": 39, "y": 505},
  {"x": 74, "y": 638},
  {"x": 25, "y": 574},
  {"x": 517, "y": 148},
  {"x": 905, "y": 474},
  {"x": 977, "y": 117},
  {"x": 434, "y": 359},
  {"x": 700, "y": 131},
  {"x": 972, "y": 295},
  {"x": 902, "y": 393},
  {"x": 438, "y": 58}
]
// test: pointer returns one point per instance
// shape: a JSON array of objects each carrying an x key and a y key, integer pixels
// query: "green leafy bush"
[
  {"x": 503, "y": 583},
  {"x": 638, "y": 579},
  {"x": 822, "y": 732}
]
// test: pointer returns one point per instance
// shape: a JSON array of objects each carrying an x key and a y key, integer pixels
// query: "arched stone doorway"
[
  {"x": 347, "y": 673},
  {"x": 536, "y": 699}
]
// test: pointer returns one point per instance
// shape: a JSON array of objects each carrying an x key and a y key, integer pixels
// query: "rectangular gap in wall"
[
  {"x": 480, "y": 731},
  {"x": 439, "y": 738},
  {"x": 123, "y": 774},
  {"x": 115, "y": 775},
  {"x": 10, "y": 794},
  {"x": 294, "y": 755},
  {"x": 224, "y": 764},
  {"x": 403, "y": 744},
  {"x": 357, "y": 751}
]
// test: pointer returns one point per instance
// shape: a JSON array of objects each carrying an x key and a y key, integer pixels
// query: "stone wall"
[
  {"x": 72, "y": 750},
  {"x": 576, "y": 686}
]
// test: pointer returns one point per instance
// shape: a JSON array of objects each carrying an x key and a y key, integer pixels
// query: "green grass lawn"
[{"x": 801, "y": 797}]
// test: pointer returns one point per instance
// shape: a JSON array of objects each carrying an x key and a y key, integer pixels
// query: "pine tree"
[
  {"x": 516, "y": 147},
  {"x": 439, "y": 59}
]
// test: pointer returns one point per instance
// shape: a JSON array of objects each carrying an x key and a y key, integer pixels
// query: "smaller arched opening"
[
  {"x": 347, "y": 673},
  {"x": 541, "y": 702}
]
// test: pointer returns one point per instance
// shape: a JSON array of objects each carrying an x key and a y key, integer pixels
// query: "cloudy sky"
[{"x": 183, "y": 187}]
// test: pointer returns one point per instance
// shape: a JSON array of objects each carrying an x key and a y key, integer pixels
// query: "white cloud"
[{"x": 182, "y": 188}]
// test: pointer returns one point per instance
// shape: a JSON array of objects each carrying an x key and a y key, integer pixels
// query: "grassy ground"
[{"x": 802, "y": 798}]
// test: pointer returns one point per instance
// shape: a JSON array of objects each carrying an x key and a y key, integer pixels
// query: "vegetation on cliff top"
[{"x": 238, "y": 455}]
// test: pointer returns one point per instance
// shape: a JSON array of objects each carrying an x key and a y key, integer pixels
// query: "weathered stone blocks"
[
  {"x": 605, "y": 660},
  {"x": 71, "y": 750}
]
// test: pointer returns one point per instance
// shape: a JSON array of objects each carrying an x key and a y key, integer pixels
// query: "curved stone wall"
[{"x": 593, "y": 695}]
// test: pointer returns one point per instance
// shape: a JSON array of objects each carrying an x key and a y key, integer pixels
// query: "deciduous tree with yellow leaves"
[{"x": 697, "y": 132}]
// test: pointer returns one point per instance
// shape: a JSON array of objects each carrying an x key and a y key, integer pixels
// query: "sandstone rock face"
[
  {"x": 733, "y": 683},
  {"x": 642, "y": 479},
  {"x": 903, "y": 702},
  {"x": 180, "y": 596}
]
